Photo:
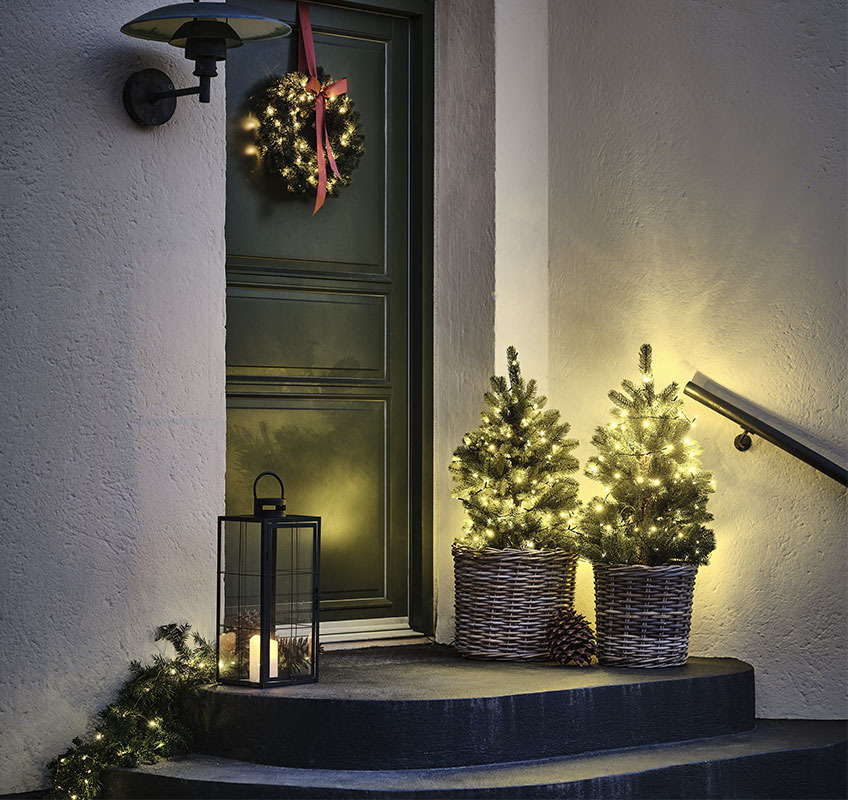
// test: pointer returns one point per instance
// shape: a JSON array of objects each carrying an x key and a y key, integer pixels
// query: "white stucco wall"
[
  {"x": 112, "y": 425},
  {"x": 464, "y": 263},
  {"x": 521, "y": 213},
  {"x": 698, "y": 202}
]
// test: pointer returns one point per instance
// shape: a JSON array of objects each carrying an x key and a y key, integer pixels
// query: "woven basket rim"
[
  {"x": 490, "y": 551},
  {"x": 639, "y": 567}
]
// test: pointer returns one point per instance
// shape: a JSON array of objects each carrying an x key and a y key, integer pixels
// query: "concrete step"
[
  {"x": 778, "y": 759},
  {"x": 424, "y": 706}
]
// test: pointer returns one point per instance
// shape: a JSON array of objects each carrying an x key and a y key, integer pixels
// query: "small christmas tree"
[
  {"x": 654, "y": 505},
  {"x": 512, "y": 473}
]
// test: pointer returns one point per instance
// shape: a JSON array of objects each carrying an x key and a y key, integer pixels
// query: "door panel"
[
  {"x": 317, "y": 316},
  {"x": 303, "y": 332},
  {"x": 299, "y": 438}
]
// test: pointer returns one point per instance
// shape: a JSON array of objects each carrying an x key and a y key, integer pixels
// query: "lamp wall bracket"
[{"x": 150, "y": 97}]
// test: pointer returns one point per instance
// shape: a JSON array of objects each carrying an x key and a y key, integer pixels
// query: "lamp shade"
[{"x": 162, "y": 24}]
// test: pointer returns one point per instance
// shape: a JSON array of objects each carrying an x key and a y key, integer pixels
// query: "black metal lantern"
[{"x": 268, "y": 594}]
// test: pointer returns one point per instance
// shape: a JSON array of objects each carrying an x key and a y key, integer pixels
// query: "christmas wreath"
[{"x": 283, "y": 117}]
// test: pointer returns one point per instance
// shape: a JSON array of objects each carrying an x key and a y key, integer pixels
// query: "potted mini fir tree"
[
  {"x": 514, "y": 564},
  {"x": 646, "y": 534}
]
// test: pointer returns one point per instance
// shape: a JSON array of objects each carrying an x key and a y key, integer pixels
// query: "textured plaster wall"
[
  {"x": 112, "y": 420},
  {"x": 698, "y": 202},
  {"x": 464, "y": 306},
  {"x": 521, "y": 215}
]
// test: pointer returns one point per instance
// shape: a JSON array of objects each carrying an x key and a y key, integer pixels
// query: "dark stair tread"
[
  {"x": 437, "y": 672},
  {"x": 198, "y": 774}
]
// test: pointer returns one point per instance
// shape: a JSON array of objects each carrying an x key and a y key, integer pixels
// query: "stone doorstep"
[
  {"x": 417, "y": 706},
  {"x": 778, "y": 759}
]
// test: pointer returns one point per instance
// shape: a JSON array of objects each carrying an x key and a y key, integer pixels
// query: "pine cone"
[{"x": 570, "y": 638}]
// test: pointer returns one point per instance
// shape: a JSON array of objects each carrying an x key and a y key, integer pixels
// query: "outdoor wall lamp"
[{"x": 206, "y": 30}]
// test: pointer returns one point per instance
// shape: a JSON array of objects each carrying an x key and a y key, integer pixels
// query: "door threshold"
[
  {"x": 355, "y": 633},
  {"x": 415, "y": 638}
]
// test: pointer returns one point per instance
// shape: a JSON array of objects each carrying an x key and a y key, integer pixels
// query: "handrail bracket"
[
  {"x": 751, "y": 424},
  {"x": 743, "y": 441}
]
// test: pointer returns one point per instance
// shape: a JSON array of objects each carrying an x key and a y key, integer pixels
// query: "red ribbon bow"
[{"x": 306, "y": 61}]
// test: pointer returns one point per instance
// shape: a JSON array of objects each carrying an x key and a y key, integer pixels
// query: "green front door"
[{"x": 318, "y": 322}]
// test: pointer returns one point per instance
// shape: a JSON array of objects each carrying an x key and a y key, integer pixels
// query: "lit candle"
[{"x": 273, "y": 652}]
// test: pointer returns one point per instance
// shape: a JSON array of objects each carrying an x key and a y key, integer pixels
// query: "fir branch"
[
  {"x": 645, "y": 353},
  {"x": 619, "y": 399},
  {"x": 176, "y": 635},
  {"x": 669, "y": 393},
  {"x": 631, "y": 388}
]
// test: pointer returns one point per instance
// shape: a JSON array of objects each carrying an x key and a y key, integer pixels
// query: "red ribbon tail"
[
  {"x": 330, "y": 157},
  {"x": 334, "y": 90},
  {"x": 306, "y": 65},
  {"x": 319, "y": 152},
  {"x": 301, "y": 57}
]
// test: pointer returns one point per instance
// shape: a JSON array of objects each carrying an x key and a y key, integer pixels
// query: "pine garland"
[
  {"x": 512, "y": 473},
  {"x": 147, "y": 721},
  {"x": 653, "y": 509},
  {"x": 283, "y": 118}
]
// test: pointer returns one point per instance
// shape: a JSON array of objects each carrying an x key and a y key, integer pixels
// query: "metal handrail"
[{"x": 750, "y": 424}]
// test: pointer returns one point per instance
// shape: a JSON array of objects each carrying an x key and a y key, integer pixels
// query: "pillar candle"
[{"x": 273, "y": 652}]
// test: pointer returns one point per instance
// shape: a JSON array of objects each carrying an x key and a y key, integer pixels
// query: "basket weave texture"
[
  {"x": 643, "y": 614},
  {"x": 505, "y": 599}
]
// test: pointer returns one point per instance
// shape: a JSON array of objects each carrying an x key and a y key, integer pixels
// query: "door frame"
[{"x": 422, "y": 129}]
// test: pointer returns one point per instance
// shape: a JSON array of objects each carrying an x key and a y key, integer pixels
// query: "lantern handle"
[
  {"x": 273, "y": 475},
  {"x": 269, "y": 507}
]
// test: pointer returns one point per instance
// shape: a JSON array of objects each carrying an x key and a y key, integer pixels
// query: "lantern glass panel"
[
  {"x": 294, "y": 621},
  {"x": 240, "y": 596}
]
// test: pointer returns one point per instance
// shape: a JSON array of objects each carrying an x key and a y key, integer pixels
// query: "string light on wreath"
[{"x": 282, "y": 118}]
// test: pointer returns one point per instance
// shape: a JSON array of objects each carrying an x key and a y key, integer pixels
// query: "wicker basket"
[
  {"x": 505, "y": 599},
  {"x": 643, "y": 614}
]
